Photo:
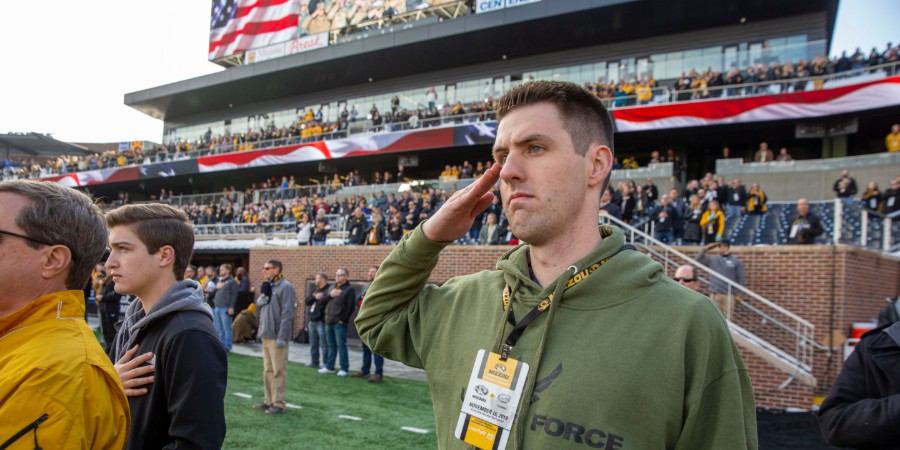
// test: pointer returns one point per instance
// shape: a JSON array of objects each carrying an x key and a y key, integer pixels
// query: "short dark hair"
[
  {"x": 158, "y": 225},
  {"x": 276, "y": 263},
  {"x": 62, "y": 216},
  {"x": 585, "y": 117}
]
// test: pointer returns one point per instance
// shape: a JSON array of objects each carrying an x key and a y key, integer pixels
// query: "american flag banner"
[{"x": 238, "y": 25}]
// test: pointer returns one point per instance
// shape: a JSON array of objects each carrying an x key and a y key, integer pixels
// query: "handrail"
[
  {"x": 722, "y": 278},
  {"x": 803, "y": 332}
]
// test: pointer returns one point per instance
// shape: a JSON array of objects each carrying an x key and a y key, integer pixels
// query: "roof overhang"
[{"x": 36, "y": 144}]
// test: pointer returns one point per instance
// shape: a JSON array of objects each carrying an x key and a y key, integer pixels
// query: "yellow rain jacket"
[{"x": 52, "y": 364}]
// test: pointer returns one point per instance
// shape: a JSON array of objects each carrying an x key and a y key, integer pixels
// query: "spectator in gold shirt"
[{"x": 892, "y": 140}]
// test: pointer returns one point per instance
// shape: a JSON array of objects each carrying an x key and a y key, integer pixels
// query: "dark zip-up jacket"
[
  {"x": 340, "y": 308},
  {"x": 863, "y": 409},
  {"x": 317, "y": 307}
]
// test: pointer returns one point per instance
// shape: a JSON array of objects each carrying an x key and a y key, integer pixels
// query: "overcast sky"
[{"x": 67, "y": 65}]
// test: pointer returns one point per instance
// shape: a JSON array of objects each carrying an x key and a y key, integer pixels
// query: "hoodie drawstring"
[
  {"x": 528, "y": 392},
  {"x": 502, "y": 332}
]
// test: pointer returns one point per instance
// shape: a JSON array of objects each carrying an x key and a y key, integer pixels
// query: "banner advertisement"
[
  {"x": 264, "y": 54},
  {"x": 483, "y": 6},
  {"x": 291, "y": 47}
]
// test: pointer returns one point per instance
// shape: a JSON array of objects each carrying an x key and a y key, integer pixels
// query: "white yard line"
[
  {"x": 414, "y": 430},
  {"x": 293, "y": 406},
  {"x": 242, "y": 395},
  {"x": 350, "y": 417}
]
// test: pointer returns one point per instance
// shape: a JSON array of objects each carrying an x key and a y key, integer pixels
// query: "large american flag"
[{"x": 238, "y": 25}]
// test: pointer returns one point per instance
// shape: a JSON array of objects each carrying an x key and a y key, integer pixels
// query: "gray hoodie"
[{"x": 186, "y": 295}]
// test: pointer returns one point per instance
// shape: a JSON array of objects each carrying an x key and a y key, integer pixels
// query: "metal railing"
[
  {"x": 771, "y": 331},
  {"x": 265, "y": 230},
  {"x": 859, "y": 226},
  {"x": 221, "y": 198},
  {"x": 851, "y": 223}
]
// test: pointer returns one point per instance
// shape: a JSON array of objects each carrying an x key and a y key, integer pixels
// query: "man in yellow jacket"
[{"x": 58, "y": 389}]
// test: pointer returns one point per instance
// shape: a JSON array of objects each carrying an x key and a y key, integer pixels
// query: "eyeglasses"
[
  {"x": 268, "y": 267},
  {"x": 340, "y": 275},
  {"x": 686, "y": 280},
  {"x": 28, "y": 238}
]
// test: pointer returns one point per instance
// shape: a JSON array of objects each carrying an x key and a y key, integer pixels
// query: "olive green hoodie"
[{"x": 627, "y": 359}]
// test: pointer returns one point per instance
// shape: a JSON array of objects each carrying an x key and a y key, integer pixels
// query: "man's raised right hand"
[{"x": 455, "y": 217}]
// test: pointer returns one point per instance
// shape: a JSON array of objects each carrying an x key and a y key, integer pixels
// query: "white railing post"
[
  {"x": 838, "y": 221},
  {"x": 886, "y": 234},
  {"x": 864, "y": 234}
]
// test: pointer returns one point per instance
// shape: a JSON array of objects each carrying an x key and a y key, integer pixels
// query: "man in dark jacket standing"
[
  {"x": 368, "y": 355},
  {"x": 845, "y": 186},
  {"x": 317, "y": 300},
  {"x": 176, "y": 386},
  {"x": 337, "y": 316},
  {"x": 356, "y": 226},
  {"x": 276, "y": 320},
  {"x": 863, "y": 408},
  {"x": 223, "y": 304},
  {"x": 806, "y": 226},
  {"x": 737, "y": 198},
  {"x": 891, "y": 197}
]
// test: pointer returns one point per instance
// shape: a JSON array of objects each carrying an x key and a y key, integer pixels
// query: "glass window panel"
[
  {"x": 612, "y": 70},
  {"x": 712, "y": 59},
  {"x": 754, "y": 54},
  {"x": 692, "y": 60},
  {"x": 676, "y": 64},
  {"x": 599, "y": 72},
  {"x": 643, "y": 71},
  {"x": 729, "y": 59}
]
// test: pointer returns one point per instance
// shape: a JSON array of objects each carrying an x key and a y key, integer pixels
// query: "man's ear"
[
  {"x": 57, "y": 261},
  {"x": 166, "y": 256},
  {"x": 600, "y": 164}
]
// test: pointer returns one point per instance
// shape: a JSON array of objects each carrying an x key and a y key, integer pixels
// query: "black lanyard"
[{"x": 543, "y": 305}]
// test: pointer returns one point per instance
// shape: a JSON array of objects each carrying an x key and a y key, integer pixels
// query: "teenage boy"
[{"x": 176, "y": 386}]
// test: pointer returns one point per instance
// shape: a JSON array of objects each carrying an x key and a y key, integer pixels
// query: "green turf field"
[{"x": 382, "y": 409}]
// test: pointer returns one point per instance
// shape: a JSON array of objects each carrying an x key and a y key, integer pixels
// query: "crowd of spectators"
[
  {"x": 311, "y": 209},
  {"x": 767, "y": 75},
  {"x": 312, "y": 126}
]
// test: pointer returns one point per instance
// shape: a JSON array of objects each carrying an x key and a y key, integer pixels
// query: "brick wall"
[
  {"x": 767, "y": 383},
  {"x": 832, "y": 287}
]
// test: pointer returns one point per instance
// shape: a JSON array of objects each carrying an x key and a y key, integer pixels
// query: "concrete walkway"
[{"x": 299, "y": 353}]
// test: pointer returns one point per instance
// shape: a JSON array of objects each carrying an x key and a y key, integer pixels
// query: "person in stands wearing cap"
[{"x": 728, "y": 266}]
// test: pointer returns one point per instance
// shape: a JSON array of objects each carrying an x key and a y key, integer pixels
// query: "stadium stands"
[{"x": 309, "y": 126}]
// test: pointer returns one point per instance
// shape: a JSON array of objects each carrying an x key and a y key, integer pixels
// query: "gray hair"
[{"x": 63, "y": 216}]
